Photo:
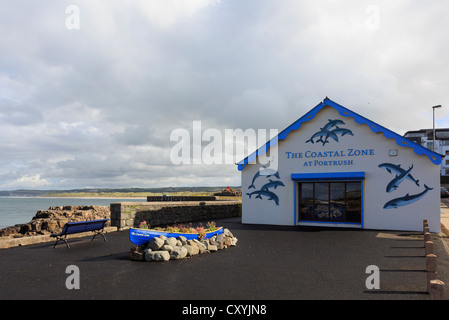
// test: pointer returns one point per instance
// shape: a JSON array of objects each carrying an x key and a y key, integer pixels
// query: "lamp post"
[{"x": 433, "y": 108}]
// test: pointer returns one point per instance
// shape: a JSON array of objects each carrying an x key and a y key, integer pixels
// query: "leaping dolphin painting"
[
  {"x": 321, "y": 134},
  {"x": 332, "y": 123},
  {"x": 406, "y": 200},
  {"x": 327, "y": 132},
  {"x": 265, "y": 173},
  {"x": 394, "y": 184},
  {"x": 396, "y": 169},
  {"x": 266, "y": 193},
  {"x": 272, "y": 184}
]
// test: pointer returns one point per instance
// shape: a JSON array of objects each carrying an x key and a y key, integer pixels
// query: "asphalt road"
[{"x": 269, "y": 262}]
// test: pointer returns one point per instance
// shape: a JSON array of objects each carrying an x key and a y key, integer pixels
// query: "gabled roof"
[{"x": 376, "y": 128}]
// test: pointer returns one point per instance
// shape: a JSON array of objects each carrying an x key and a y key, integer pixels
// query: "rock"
[
  {"x": 167, "y": 247},
  {"x": 157, "y": 256},
  {"x": 213, "y": 242},
  {"x": 136, "y": 256},
  {"x": 227, "y": 233},
  {"x": 50, "y": 225},
  {"x": 178, "y": 253},
  {"x": 155, "y": 243},
  {"x": 220, "y": 241},
  {"x": 201, "y": 247},
  {"x": 182, "y": 239},
  {"x": 171, "y": 241},
  {"x": 195, "y": 248},
  {"x": 211, "y": 248},
  {"x": 189, "y": 250},
  {"x": 227, "y": 242}
]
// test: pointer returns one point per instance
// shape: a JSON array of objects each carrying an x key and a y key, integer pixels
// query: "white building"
[
  {"x": 424, "y": 137},
  {"x": 333, "y": 167}
]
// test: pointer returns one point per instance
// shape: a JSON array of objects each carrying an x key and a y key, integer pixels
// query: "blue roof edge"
[{"x": 434, "y": 157}]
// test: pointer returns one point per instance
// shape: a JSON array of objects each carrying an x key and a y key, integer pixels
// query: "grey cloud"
[{"x": 96, "y": 105}]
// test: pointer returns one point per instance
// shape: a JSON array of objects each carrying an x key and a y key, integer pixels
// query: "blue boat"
[{"x": 142, "y": 236}]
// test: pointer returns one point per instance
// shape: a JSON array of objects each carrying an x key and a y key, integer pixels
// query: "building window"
[{"x": 330, "y": 201}]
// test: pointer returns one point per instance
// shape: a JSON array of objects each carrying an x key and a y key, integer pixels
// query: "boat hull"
[{"x": 142, "y": 236}]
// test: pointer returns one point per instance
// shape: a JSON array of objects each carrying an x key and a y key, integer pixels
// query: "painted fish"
[
  {"x": 406, "y": 200},
  {"x": 272, "y": 184},
  {"x": 265, "y": 173},
  {"x": 396, "y": 169},
  {"x": 394, "y": 184},
  {"x": 266, "y": 193}
]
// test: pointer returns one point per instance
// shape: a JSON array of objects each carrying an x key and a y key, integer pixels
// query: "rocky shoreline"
[{"x": 52, "y": 220}]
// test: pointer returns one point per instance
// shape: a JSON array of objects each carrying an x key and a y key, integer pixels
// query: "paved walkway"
[{"x": 268, "y": 262}]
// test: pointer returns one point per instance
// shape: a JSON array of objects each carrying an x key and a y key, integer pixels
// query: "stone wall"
[
  {"x": 125, "y": 215},
  {"x": 180, "y": 198}
]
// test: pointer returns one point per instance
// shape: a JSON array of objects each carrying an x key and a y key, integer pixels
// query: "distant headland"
[{"x": 115, "y": 192}]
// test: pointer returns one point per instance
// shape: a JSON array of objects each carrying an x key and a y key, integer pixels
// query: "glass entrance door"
[{"x": 330, "y": 201}]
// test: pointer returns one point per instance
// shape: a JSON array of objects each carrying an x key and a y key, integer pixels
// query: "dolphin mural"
[
  {"x": 263, "y": 173},
  {"x": 396, "y": 169},
  {"x": 266, "y": 193},
  {"x": 394, "y": 184},
  {"x": 327, "y": 132},
  {"x": 264, "y": 190},
  {"x": 272, "y": 184},
  {"x": 407, "y": 199},
  {"x": 321, "y": 134},
  {"x": 332, "y": 123},
  {"x": 342, "y": 131}
]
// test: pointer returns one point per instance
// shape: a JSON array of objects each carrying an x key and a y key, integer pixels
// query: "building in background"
[{"x": 424, "y": 137}]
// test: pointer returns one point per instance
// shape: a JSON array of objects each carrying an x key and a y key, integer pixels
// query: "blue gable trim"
[
  {"x": 434, "y": 157},
  {"x": 328, "y": 176}
]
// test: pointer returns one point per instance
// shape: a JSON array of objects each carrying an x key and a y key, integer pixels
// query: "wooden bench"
[{"x": 96, "y": 226}]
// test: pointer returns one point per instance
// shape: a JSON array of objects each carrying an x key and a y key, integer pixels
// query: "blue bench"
[{"x": 96, "y": 226}]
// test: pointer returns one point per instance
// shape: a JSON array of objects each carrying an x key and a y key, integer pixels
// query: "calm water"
[{"x": 17, "y": 210}]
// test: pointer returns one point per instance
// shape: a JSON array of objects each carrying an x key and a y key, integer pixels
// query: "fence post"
[
  {"x": 426, "y": 237},
  {"x": 431, "y": 268},
  {"x": 436, "y": 290},
  {"x": 428, "y": 247}
]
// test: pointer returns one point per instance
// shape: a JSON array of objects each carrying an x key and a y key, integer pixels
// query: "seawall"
[{"x": 125, "y": 215}]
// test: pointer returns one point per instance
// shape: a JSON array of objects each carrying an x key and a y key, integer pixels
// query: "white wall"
[{"x": 408, "y": 217}]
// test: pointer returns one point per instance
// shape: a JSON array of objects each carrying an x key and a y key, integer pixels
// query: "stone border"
[{"x": 160, "y": 249}]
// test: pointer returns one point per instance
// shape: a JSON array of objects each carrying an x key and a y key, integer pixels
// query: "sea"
[{"x": 19, "y": 210}]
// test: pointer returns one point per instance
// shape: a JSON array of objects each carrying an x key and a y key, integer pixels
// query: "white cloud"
[
  {"x": 26, "y": 182},
  {"x": 165, "y": 13}
]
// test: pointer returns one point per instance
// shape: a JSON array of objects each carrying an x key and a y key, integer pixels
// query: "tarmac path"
[{"x": 269, "y": 262}]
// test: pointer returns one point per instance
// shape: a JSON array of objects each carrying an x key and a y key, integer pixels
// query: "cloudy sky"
[{"x": 90, "y": 91}]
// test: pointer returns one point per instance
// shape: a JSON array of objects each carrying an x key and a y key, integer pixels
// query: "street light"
[{"x": 433, "y": 108}]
